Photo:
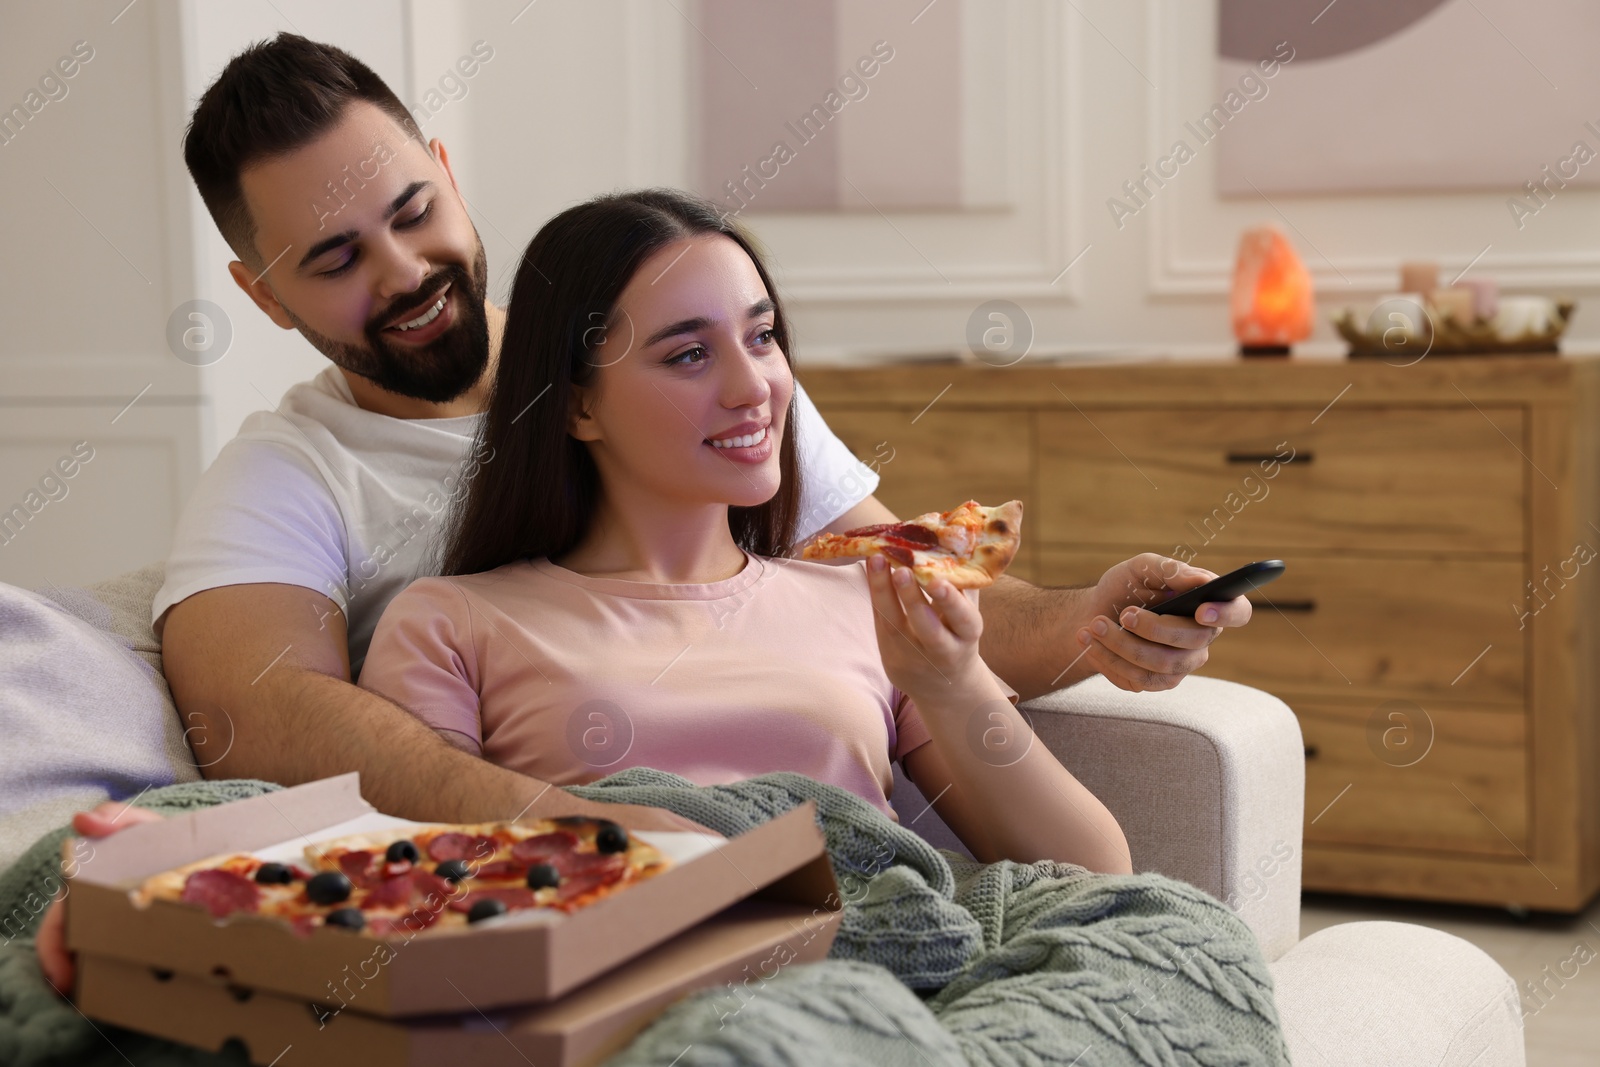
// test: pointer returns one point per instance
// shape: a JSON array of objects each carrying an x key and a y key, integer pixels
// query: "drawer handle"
[
  {"x": 1303, "y": 607},
  {"x": 1252, "y": 458},
  {"x": 1311, "y": 751}
]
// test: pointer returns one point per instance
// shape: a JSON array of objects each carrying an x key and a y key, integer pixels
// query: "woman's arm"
[
  {"x": 1031, "y": 810},
  {"x": 1003, "y": 793}
]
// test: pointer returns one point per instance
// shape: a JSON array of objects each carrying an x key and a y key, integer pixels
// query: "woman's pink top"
[{"x": 569, "y": 678}]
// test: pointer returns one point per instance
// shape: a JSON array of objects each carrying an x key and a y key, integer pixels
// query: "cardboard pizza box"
[
  {"x": 740, "y": 950},
  {"x": 522, "y": 958}
]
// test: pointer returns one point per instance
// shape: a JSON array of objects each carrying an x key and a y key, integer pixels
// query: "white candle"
[{"x": 1520, "y": 315}]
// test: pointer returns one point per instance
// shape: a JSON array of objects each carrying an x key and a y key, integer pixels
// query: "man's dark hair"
[{"x": 272, "y": 98}]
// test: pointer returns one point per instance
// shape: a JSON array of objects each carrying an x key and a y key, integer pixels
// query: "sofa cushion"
[
  {"x": 1388, "y": 994},
  {"x": 84, "y": 708},
  {"x": 1207, "y": 781}
]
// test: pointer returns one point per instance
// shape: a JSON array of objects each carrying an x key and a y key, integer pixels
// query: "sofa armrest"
[{"x": 1207, "y": 781}]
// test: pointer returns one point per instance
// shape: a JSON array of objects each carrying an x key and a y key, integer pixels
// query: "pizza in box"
[{"x": 426, "y": 878}]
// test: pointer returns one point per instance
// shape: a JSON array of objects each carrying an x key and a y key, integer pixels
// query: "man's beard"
[{"x": 438, "y": 373}]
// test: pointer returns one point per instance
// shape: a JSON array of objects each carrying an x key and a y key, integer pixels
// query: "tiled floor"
[{"x": 1561, "y": 1009}]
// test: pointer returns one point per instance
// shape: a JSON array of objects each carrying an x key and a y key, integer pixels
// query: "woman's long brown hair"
[{"x": 536, "y": 493}]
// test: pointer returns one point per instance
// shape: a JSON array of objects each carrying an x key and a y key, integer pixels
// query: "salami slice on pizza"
[{"x": 969, "y": 546}]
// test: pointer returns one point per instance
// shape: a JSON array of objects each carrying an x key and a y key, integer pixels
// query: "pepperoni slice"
[
  {"x": 423, "y": 915},
  {"x": 221, "y": 892},
  {"x": 543, "y": 848},
  {"x": 415, "y": 887},
  {"x": 455, "y": 846},
  {"x": 502, "y": 869},
  {"x": 898, "y": 553},
  {"x": 426, "y": 883},
  {"x": 449, "y": 847},
  {"x": 898, "y": 542},
  {"x": 390, "y": 892},
  {"x": 583, "y": 864},
  {"x": 512, "y": 898},
  {"x": 579, "y": 885},
  {"x": 917, "y": 535},
  {"x": 357, "y": 866}
]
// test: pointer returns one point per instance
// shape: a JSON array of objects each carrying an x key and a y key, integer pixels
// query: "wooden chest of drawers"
[{"x": 1438, "y": 629}]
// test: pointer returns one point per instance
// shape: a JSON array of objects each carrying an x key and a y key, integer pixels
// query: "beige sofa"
[{"x": 1208, "y": 783}]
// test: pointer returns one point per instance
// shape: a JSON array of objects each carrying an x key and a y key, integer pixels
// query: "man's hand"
[
  {"x": 51, "y": 942},
  {"x": 1138, "y": 650}
]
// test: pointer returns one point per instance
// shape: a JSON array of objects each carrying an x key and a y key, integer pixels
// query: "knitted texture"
[
  {"x": 898, "y": 890},
  {"x": 1034, "y": 963},
  {"x": 38, "y": 1028}
]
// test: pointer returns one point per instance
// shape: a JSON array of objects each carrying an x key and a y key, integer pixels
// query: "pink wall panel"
[
  {"x": 828, "y": 104},
  {"x": 762, "y": 67}
]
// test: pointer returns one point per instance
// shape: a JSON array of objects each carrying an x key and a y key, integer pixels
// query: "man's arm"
[
  {"x": 261, "y": 677},
  {"x": 1043, "y": 639}
]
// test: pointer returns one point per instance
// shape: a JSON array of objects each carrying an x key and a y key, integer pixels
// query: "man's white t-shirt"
[{"x": 324, "y": 494}]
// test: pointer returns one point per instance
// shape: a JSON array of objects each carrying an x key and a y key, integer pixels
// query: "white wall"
[
  {"x": 1098, "y": 89},
  {"x": 104, "y": 238},
  {"x": 93, "y": 260},
  {"x": 583, "y": 96}
]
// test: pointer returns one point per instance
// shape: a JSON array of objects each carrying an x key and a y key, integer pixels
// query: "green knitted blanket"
[
  {"x": 1033, "y": 963},
  {"x": 1010, "y": 963},
  {"x": 36, "y": 1026}
]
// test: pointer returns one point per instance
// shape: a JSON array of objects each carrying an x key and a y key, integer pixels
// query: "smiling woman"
[
  {"x": 618, "y": 373},
  {"x": 624, "y": 556}
]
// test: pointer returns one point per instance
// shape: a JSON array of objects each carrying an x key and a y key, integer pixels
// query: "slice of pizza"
[
  {"x": 406, "y": 881},
  {"x": 969, "y": 546}
]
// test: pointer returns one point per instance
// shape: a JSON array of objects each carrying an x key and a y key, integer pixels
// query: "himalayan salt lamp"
[{"x": 1271, "y": 303}]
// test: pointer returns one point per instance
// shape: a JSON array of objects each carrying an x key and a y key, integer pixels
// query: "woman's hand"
[
  {"x": 928, "y": 650},
  {"x": 51, "y": 942},
  {"x": 982, "y": 763}
]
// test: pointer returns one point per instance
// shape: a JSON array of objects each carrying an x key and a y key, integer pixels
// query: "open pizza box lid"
[
  {"x": 523, "y": 958},
  {"x": 738, "y": 950}
]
